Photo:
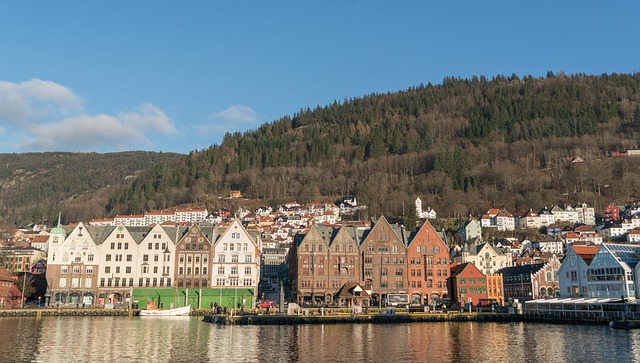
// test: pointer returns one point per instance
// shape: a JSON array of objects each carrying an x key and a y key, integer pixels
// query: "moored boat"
[
  {"x": 183, "y": 311},
  {"x": 625, "y": 324}
]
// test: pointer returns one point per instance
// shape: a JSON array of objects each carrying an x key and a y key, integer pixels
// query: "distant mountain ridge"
[{"x": 36, "y": 186}]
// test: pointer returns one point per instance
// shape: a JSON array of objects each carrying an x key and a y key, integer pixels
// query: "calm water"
[{"x": 117, "y": 339}]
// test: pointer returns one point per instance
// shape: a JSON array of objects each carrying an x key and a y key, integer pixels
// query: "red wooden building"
[{"x": 466, "y": 284}]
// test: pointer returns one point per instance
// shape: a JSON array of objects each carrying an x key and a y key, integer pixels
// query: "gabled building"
[
  {"x": 611, "y": 273},
  {"x": 384, "y": 253},
  {"x": 466, "y": 285},
  {"x": 533, "y": 281},
  {"x": 236, "y": 262},
  {"x": 470, "y": 230},
  {"x": 428, "y": 258},
  {"x": 486, "y": 257},
  {"x": 194, "y": 254},
  {"x": 322, "y": 261},
  {"x": 572, "y": 274},
  {"x": 72, "y": 264}
]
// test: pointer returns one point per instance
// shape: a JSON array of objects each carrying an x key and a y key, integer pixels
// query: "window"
[
  {"x": 128, "y": 269},
  {"x": 117, "y": 269},
  {"x": 221, "y": 258},
  {"x": 107, "y": 269},
  {"x": 89, "y": 269},
  {"x": 150, "y": 246},
  {"x": 107, "y": 258},
  {"x": 234, "y": 270},
  {"x": 204, "y": 270},
  {"x": 145, "y": 258},
  {"x": 155, "y": 258},
  {"x": 180, "y": 270},
  {"x": 145, "y": 269},
  {"x": 155, "y": 269},
  {"x": 118, "y": 258},
  {"x": 90, "y": 257},
  {"x": 247, "y": 270},
  {"x": 129, "y": 258},
  {"x": 119, "y": 245},
  {"x": 221, "y": 270},
  {"x": 247, "y": 258},
  {"x": 234, "y": 258}
]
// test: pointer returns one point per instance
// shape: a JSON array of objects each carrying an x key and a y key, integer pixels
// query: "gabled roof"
[
  {"x": 587, "y": 253},
  {"x": 347, "y": 290}
]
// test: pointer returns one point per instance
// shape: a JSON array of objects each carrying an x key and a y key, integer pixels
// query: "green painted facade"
[{"x": 167, "y": 297}]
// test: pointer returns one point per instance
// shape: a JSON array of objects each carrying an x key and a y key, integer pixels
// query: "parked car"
[{"x": 267, "y": 304}]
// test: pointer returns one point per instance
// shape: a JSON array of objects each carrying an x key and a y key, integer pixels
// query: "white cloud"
[
  {"x": 239, "y": 114},
  {"x": 39, "y": 115},
  {"x": 35, "y": 100},
  {"x": 149, "y": 117},
  {"x": 233, "y": 118},
  {"x": 100, "y": 132}
]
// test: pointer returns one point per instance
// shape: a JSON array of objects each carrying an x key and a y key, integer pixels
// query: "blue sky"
[{"x": 176, "y": 76}]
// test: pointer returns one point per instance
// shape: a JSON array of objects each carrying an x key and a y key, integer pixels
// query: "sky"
[{"x": 175, "y": 76}]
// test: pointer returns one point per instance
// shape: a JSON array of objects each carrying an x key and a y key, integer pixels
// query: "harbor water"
[{"x": 189, "y": 339}]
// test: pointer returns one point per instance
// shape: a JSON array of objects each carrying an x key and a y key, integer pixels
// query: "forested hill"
[
  {"x": 462, "y": 146},
  {"x": 37, "y": 186}
]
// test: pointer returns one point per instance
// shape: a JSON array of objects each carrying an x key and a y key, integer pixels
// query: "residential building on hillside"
[
  {"x": 586, "y": 214},
  {"x": 611, "y": 213},
  {"x": 20, "y": 258},
  {"x": 424, "y": 214},
  {"x": 486, "y": 257},
  {"x": 530, "y": 219},
  {"x": 470, "y": 230}
]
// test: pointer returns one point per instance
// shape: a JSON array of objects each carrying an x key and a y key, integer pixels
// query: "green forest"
[{"x": 462, "y": 146}]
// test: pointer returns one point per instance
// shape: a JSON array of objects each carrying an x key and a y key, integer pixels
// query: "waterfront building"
[
  {"x": 236, "y": 262},
  {"x": 572, "y": 274},
  {"x": 611, "y": 273},
  {"x": 194, "y": 253},
  {"x": 9, "y": 294},
  {"x": 428, "y": 264},
  {"x": 531, "y": 281},
  {"x": 495, "y": 289},
  {"x": 467, "y": 284},
  {"x": 384, "y": 252},
  {"x": 72, "y": 264},
  {"x": 321, "y": 262}
]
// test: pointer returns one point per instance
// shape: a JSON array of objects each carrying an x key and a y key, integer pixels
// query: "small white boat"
[{"x": 183, "y": 311}]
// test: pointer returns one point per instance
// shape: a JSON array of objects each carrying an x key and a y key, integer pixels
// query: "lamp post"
[{"x": 24, "y": 280}]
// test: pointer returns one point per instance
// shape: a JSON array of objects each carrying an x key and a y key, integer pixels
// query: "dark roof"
[{"x": 509, "y": 273}]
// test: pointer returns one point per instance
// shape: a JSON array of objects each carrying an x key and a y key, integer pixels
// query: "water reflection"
[{"x": 101, "y": 339}]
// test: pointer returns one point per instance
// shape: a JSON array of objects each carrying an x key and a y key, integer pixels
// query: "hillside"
[
  {"x": 35, "y": 186},
  {"x": 462, "y": 146}
]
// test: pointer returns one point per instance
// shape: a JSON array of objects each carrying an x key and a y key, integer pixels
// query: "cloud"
[
  {"x": 39, "y": 115},
  {"x": 233, "y": 118},
  {"x": 35, "y": 100},
  {"x": 101, "y": 132},
  {"x": 149, "y": 117}
]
